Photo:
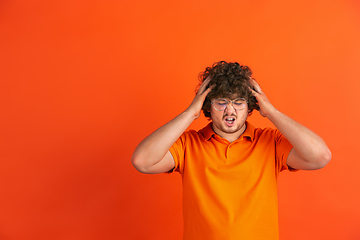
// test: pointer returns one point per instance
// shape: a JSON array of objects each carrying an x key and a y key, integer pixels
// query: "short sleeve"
[
  {"x": 283, "y": 148},
  {"x": 177, "y": 150}
]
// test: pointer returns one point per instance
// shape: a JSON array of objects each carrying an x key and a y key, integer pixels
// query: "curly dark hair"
[{"x": 228, "y": 79}]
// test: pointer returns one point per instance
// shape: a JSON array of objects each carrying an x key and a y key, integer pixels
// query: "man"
[{"x": 230, "y": 168}]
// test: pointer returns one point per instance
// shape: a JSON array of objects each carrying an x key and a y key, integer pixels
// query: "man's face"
[{"x": 230, "y": 122}]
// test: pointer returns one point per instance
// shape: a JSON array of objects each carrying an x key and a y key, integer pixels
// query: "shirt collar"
[
  {"x": 249, "y": 131},
  {"x": 208, "y": 132}
]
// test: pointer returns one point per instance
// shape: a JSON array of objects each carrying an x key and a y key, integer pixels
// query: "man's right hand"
[{"x": 197, "y": 103}]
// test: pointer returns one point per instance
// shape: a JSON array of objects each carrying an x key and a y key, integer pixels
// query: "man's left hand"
[{"x": 266, "y": 108}]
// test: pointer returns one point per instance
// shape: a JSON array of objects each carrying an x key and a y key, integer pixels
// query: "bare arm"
[
  {"x": 152, "y": 154},
  {"x": 309, "y": 151}
]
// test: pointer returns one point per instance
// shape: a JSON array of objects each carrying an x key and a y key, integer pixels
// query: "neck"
[{"x": 231, "y": 136}]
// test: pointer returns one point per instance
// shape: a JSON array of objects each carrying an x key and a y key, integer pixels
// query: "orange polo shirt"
[{"x": 230, "y": 189}]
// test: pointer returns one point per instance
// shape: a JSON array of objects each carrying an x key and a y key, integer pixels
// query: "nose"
[{"x": 230, "y": 108}]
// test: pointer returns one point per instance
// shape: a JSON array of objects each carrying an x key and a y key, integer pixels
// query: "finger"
[
  {"x": 207, "y": 79},
  {"x": 254, "y": 93},
  {"x": 255, "y": 85},
  {"x": 204, "y": 85},
  {"x": 206, "y": 92}
]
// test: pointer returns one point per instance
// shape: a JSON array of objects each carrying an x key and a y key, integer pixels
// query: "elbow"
[
  {"x": 327, "y": 157},
  {"x": 324, "y": 158},
  {"x": 138, "y": 163}
]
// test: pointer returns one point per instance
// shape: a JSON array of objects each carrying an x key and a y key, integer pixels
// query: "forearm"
[
  {"x": 154, "y": 147},
  {"x": 308, "y": 145},
  {"x": 150, "y": 155}
]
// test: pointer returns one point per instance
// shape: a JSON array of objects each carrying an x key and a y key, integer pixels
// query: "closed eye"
[{"x": 238, "y": 103}]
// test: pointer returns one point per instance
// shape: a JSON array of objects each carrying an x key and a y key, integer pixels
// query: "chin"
[{"x": 233, "y": 129}]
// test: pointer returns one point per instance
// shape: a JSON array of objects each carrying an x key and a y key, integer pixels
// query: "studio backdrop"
[{"x": 83, "y": 82}]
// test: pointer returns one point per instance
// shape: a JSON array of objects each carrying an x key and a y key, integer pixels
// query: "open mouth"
[{"x": 229, "y": 121}]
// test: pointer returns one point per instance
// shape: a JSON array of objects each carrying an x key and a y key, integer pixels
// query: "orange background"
[{"x": 83, "y": 82}]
